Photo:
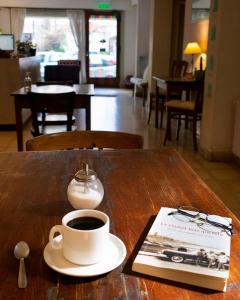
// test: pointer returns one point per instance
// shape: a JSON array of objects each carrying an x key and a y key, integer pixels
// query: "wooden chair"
[
  {"x": 62, "y": 72},
  {"x": 85, "y": 139},
  {"x": 51, "y": 103},
  {"x": 69, "y": 62},
  {"x": 68, "y": 82},
  {"x": 189, "y": 110},
  {"x": 178, "y": 70},
  {"x": 56, "y": 119}
]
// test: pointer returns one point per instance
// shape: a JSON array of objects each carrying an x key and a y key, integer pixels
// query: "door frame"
[
  {"x": 103, "y": 82},
  {"x": 177, "y": 35}
]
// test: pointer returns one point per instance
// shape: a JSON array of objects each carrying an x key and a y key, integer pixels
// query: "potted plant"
[{"x": 26, "y": 47}]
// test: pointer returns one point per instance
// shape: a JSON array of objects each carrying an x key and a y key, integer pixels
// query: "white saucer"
[{"x": 113, "y": 257}]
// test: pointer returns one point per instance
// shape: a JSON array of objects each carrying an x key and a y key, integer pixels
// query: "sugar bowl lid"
[{"x": 85, "y": 174}]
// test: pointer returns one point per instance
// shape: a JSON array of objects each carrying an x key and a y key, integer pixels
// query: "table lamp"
[{"x": 192, "y": 48}]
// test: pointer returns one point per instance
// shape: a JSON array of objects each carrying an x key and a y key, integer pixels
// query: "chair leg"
[
  {"x": 194, "y": 132},
  {"x": 134, "y": 91},
  {"x": 162, "y": 111},
  {"x": 150, "y": 108},
  {"x": 178, "y": 127},
  {"x": 144, "y": 95},
  {"x": 69, "y": 121},
  {"x": 43, "y": 116},
  {"x": 35, "y": 124},
  {"x": 156, "y": 111},
  {"x": 168, "y": 129},
  {"x": 186, "y": 123}
]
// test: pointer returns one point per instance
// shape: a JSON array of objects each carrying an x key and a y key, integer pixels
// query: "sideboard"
[{"x": 12, "y": 73}]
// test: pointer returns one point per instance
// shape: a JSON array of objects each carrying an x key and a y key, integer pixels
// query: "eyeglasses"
[{"x": 212, "y": 223}]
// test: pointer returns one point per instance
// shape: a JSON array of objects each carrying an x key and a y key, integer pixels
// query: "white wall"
[
  {"x": 142, "y": 34},
  {"x": 143, "y": 27},
  {"x": 160, "y": 30},
  {"x": 4, "y": 20},
  {"x": 128, "y": 42}
]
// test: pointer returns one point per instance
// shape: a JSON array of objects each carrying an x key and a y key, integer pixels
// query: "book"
[{"x": 184, "y": 250}]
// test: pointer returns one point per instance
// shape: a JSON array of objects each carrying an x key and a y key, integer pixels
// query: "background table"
[
  {"x": 22, "y": 100},
  {"x": 169, "y": 85},
  {"x": 137, "y": 184}
]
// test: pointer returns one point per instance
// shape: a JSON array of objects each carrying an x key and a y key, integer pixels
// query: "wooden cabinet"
[{"x": 12, "y": 73}]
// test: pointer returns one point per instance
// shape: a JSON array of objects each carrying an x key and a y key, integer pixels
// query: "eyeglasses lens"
[{"x": 186, "y": 213}]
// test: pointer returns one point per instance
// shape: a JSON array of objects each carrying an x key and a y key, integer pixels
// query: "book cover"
[{"x": 185, "y": 250}]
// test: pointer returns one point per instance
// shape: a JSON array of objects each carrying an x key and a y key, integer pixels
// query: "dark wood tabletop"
[
  {"x": 137, "y": 184},
  {"x": 82, "y": 100},
  {"x": 79, "y": 89}
]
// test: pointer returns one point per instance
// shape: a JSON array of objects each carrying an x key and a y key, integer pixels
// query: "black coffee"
[{"x": 85, "y": 223}]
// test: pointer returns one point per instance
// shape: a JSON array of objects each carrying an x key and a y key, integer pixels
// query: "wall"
[
  {"x": 4, "y": 20},
  {"x": 160, "y": 30},
  {"x": 222, "y": 90},
  {"x": 128, "y": 35},
  {"x": 142, "y": 42},
  {"x": 195, "y": 31}
]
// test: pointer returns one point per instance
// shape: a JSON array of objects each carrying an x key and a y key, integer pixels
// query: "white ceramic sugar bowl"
[{"x": 85, "y": 190}]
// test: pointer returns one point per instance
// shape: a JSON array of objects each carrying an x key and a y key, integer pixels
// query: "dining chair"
[
  {"x": 189, "y": 109},
  {"x": 178, "y": 70},
  {"x": 51, "y": 103},
  {"x": 85, "y": 139},
  {"x": 69, "y": 62},
  {"x": 56, "y": 119},
  {"x": 63, "y": 72},
  {"x": 141, "y": 83}
]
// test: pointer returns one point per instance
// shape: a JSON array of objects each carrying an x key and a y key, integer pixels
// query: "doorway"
[
  {"x": 177, "y": 30},
  {"x": 102, "y": 48}
]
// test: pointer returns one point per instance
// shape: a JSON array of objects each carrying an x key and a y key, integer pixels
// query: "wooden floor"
[{"x": 118, "y": 111}]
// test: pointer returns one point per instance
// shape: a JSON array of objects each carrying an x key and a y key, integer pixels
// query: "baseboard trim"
[
  {"x": 236, "y": 160},
  {"x": 217, "y": 155},
  {"x": 7, "y": 127},
  {"x": 12, "y": 127}
]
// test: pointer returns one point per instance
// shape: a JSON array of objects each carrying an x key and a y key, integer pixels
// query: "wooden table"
[
  {"x": 22, "y": 100},
  {"x": 169, "y": 84},
  {"x": 137, "y": 184}
]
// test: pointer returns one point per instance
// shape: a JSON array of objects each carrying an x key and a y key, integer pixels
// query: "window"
[{"x": 53, "y": 37}]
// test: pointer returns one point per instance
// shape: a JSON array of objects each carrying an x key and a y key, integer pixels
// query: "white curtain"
[
  {"x": 77, "y": 22},
  {"x": 17, "y": 22}
]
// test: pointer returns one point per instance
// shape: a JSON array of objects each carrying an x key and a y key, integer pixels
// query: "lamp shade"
[{"x": 192, "y": 48}]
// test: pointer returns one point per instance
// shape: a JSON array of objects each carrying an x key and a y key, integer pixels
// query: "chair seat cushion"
[{"x": 179, "y": 104}]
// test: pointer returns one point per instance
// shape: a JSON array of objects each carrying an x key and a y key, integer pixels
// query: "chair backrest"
[
  {"x": 60, "y": 102},
  {"x": 145, "y": 73},
  {"x": 69, "y": 82},
  {"x": 69, "y": 62},
  {"x": 52, "y": 103},
  {"x": 85, "y": 139},
  {"x": 194, "y": 92},
  {"x": 62, "y": 73},
  {"x": 179, "y": 68}
]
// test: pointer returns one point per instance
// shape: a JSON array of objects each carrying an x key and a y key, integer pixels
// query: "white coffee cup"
[{"x": 82, "y": 246}]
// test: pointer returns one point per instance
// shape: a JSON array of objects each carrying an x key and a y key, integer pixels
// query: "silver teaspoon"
[{"x": 21, "y": 251}]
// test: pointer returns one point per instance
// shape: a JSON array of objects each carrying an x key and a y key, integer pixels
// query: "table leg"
[
  {"x": 156, "y": 106},
  {"x": 88, "y": 114},
  {"x": 19, "y": 125}
]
